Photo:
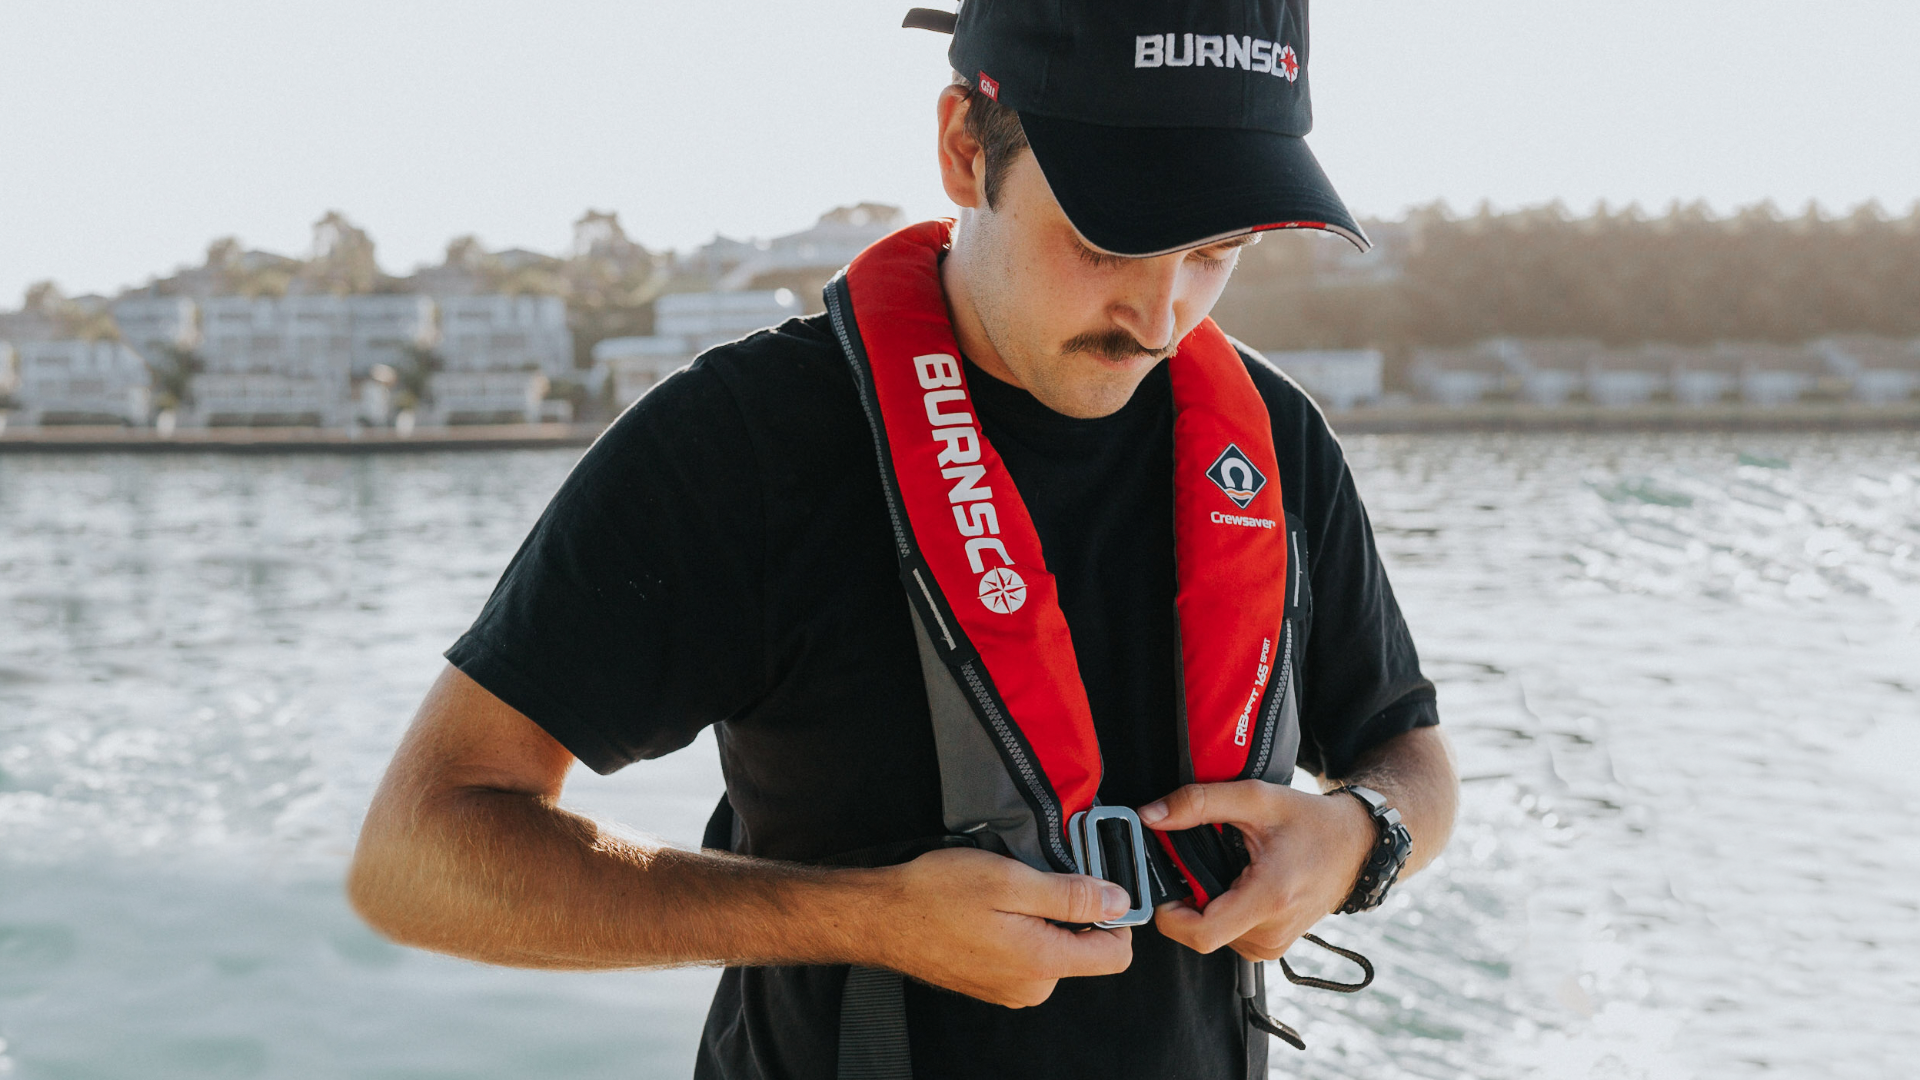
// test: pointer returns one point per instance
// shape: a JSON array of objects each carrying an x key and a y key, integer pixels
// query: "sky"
[{"x": 134, "y": 132}]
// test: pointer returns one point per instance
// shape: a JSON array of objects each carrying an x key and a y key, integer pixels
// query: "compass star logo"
[
  {"x": 1002, "y": 590},
  {"x": 1233, "y": 473},
  {"x": 1286, "y": 63}
]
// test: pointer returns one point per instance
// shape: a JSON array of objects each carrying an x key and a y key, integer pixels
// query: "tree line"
[
  {"x": 1686, "y": 276},
  {"x": 1622, "y": 277}
]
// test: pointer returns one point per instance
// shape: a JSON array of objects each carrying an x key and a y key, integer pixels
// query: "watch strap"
[{"x": 1391, "y": 847}]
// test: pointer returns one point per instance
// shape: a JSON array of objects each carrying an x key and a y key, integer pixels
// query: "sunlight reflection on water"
[{"x": 1682, "y": 673}]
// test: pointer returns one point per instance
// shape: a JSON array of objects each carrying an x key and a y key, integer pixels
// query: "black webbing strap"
[
  {"x": 1215, "y": 856},
  {"x": 873, "y": 1011},
  {"x": 873, "y": 1027},
  {"x": 1164, "y": 877},
  {"x": 873, "y": 1007}
]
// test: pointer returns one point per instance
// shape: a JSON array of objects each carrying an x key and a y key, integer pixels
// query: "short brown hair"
[{"x": 997, "y": 129}]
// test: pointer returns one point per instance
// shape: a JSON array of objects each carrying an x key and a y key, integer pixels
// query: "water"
[{"x": 1682, "y": 674}]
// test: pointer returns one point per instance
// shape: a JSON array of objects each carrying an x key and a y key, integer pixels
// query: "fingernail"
[
  {"x": 1117, "y": 901},
  {"x": 1152, "y": 812}
]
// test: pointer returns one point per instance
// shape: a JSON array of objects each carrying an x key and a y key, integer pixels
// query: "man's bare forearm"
[
  {"x": 507, "y": 877},
  {"x": 1415, "y": 771},
  {"x": 464, "y": 851}
]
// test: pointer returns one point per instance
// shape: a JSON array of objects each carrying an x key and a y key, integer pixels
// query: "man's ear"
[{"x": 963, "y": 164}]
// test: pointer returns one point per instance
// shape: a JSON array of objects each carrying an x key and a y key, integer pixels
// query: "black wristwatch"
[{"x": 1389, "y": 852}]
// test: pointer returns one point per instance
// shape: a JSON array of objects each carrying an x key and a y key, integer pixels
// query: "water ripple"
[{"x": 1680, "y": 673}]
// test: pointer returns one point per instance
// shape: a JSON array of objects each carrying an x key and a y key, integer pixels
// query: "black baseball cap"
[{"x": 1159, "y": 125}]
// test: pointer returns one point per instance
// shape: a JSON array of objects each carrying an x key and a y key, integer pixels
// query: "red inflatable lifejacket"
[{"x": 1019, "y": 758}]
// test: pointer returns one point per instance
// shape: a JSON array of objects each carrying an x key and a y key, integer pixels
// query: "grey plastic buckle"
[{"x": 1083, "y": 830}]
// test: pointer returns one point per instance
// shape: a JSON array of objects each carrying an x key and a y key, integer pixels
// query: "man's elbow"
[
  {"x": 388, "y": 883},
  {"x": 417, "y": 879},
  {"x": 374, "y": 893}
]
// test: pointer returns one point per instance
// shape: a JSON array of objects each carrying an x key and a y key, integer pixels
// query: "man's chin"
[{"x": 1103, "y": 387}]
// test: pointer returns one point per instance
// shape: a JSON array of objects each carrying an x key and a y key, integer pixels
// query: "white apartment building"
[
  {"x": 296, "y": 360},
  {"x": 637, "y": 364},
  {"x": 1773, "y": 375},
  {"x": 831, "y": 243},
  {"x": 501, "y": 353},
  {"x": 273, "y": 362},
  {"x": 1338, "y": 379},
  {"x": 686, "y": 325},
  {"x": 1625, "y": 378},
  {"x": 705, "y": 319},
  {"x": 1549, "y": 370},
  {"x": 1881, "y": 371},
  {"x": 302, "y": 336},
  {"x": 506, "y": 333},
  {"x": 152, "y": 324},
  {"x": 485, "y": 397},
  {"x": 385, "y": 327},
  {"x": 74, "y": 381},
  {"x": 1460, "y": 377},
  {"x": 293, "y": 360}
]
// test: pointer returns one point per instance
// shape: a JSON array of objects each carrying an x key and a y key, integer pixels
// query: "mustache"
[{"x": 1114, "y": 345}]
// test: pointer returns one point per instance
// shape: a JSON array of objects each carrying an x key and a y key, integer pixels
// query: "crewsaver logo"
[{"x": 1234, "y": 474}]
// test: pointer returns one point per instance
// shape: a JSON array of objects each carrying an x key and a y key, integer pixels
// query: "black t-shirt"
[{"x": 722, "y": 556}]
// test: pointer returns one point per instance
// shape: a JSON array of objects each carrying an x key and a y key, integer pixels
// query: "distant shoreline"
[
  {"x": 294, "y": 440},
  {"x": 1520, "y": 417},
  {"x": 1407, "y": 419}
]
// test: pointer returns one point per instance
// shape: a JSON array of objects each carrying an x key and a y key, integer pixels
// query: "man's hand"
[
  {"x": 976, "y": 922},
  {"x": 1307, "y": 850}
]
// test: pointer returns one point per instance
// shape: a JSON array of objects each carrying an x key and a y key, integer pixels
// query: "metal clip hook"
[{"x": 1253, "y": 995}]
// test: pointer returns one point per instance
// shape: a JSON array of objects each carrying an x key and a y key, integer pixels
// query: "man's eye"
[{"x": 1095, "y": 258}]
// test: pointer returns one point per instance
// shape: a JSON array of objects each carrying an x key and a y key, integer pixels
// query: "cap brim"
[{"x": 1148, "y": 191}]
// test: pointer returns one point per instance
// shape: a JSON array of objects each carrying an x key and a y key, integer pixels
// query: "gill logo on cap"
[
  {"x": 1233, "y": 473},
  {"x": 1218, "y": 50}
]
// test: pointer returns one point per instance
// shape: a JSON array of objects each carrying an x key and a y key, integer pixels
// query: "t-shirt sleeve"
[
  {"x": 630, "y": 618},
  {"x": 1360, "y": 675},
  {"x": 1363, "y": 683}
]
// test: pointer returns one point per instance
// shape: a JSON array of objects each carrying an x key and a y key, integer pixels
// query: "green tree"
[
  {"x": 413, "y": 377},
  {"x": 343, "y": 261},
  {"x": 173, "y": 373}
]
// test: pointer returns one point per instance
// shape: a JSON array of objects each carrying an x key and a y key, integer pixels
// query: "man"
[{"x": 724, "y": 556}]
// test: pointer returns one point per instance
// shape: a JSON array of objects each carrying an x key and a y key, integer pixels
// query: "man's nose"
[{"x": 1148, "y": 310}]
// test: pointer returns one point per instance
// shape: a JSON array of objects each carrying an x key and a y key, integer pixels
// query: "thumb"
[
  {"x": 1070, "y": 898},
  {"x": 1207, "y": 804}
]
